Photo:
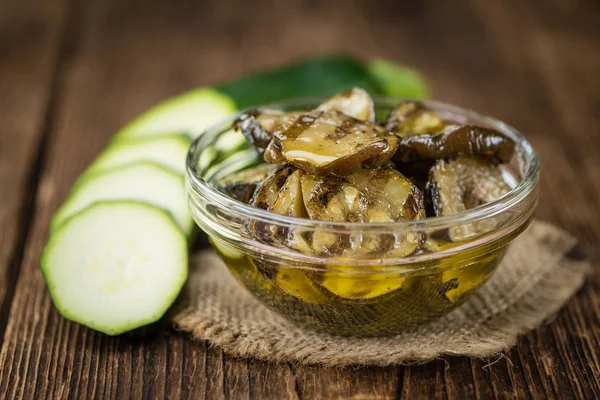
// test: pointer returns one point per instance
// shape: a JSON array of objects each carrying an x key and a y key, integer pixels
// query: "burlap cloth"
[{"x": 538, "y": 275}]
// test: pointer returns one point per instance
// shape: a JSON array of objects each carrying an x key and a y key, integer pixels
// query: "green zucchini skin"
[{"x": 322, "y": 76}]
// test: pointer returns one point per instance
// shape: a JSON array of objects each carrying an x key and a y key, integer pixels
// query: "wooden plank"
[
  {"x": 346, "y": 383},
  {"x": 29, "y": 44},
  {"x": 425, "y": 381},
  {"x": 459, "y": 379},
  {"x": 272, "y": 381}
]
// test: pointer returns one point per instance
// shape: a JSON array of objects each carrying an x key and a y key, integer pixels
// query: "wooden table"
[{"x": 72, "y": 72}]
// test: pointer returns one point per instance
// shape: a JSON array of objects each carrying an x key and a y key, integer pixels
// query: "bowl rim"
[{"x": 515, "y": 196}]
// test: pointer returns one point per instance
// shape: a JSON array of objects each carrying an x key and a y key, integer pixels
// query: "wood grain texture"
[
  {"x": 77, "y": 71},
  {"x": 29, "y": 50}
]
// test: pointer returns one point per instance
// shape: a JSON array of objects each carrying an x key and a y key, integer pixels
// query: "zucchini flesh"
[
  {"x": 116, "y": 266},
  {"x": 146, "y": 182}
]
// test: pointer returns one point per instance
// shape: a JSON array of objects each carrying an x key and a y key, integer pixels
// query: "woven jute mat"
[{"x": 540, "y": 272}]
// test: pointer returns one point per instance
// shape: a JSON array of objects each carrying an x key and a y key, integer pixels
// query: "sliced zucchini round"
[
  {"x": 356, "y": 103},
  {"x": 191, "y": 112},
  {"x": 116, "y": 266},
  {"x": 146, "y": 182},
  {"x": 168, "y": 150}
]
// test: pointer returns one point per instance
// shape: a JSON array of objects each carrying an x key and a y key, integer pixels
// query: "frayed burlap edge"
[{"x": 533, "y": 282}]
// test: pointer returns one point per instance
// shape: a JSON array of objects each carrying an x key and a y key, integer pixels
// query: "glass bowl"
[{"x": 359, "y": 295}]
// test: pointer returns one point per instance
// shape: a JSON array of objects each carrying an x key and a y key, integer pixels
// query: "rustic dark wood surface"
[{"x": 72, "y": 72}]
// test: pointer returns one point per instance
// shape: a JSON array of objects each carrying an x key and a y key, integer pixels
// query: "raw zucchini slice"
[
  {"x": 191, "y": 112},
  {"x": 116, "y": 266},
  {"x": 168, "y": 150},
  {"x": 146, "y": 182}
]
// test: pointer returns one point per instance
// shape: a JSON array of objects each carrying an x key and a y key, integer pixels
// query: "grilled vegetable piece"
[
  {"x": 367, "y": 196},
  {"x": 455, "y": 140},
  {"x": 413, "y": 118},
  {"x": 258, "y": 126},
  {"x": 295, "y": 283},
  {"x": 355, "y": 103},
  {"x": 358, "y": 285},
  {"x": 427, "y": 136},
  {"x": 289, "y": 199},
  {"x": 241, "y": 185},
  {"x": 266, "y": 193},
  {"x": 280, "y": 193},
  {"x": 382, "y": 195},
  {"x": 332, "y": 199},
  {"x": 392, "y": 197},
  {"x": 330, "y": 142},
  {"x": 464, "y": 183}
]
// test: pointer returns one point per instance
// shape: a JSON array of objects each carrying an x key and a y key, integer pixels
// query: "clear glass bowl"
[{"x": 359, "y": 295}]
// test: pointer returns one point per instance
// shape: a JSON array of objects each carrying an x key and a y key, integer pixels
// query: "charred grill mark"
[
  {"x": 434, "y": 196},
  {"x": 349, "y": 124},
  {"x": 324, "y": 198},
  {"x": 248, "y": 124},
  {"x": 296, "y": 126},
  {"x": 282, "y": 178},
  {"x": 337, "y": 134},
  {"x": 413, "y": 204},
  {"x": 447, "y": 286},
  {"x": 273, "y": 152}
]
